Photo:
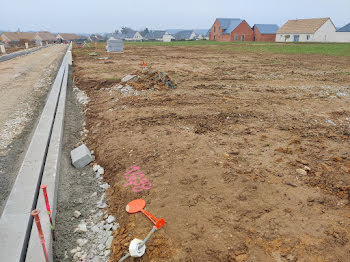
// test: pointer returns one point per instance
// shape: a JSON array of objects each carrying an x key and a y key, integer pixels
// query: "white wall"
[
  {"x": 302, "y": 38},
  {"x": 323, "y": 34},
  {"x": 340, "y": 37},
  {"x": 167, "y": 38}
]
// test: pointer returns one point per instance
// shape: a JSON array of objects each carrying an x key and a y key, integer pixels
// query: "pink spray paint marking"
[{"x": 137, "y": 179}]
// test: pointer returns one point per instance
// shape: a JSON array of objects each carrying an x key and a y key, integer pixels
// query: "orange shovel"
[{"x": 137, "y": 206}]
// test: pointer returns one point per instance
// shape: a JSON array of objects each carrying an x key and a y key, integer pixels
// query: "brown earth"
[{"x": 222, "y": 149}]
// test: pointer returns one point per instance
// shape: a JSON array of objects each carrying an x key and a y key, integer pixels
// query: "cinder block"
[{"x": 81, "y": 156}]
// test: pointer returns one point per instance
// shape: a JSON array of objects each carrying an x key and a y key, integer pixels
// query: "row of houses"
[
  {"x": 299, "y": 30},
  {"x": 43, "y": 36},
  {"x": 161, "y": 35}
]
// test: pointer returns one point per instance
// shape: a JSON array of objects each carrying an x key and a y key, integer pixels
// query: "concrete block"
[
  {"x": 3, "y": 50},
  {"x": 81, "y": 156}
]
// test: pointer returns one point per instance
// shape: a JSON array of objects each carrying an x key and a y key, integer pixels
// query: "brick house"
[
  {"x": 265, "y": 32},
  {"x": 231, "y": 30}
]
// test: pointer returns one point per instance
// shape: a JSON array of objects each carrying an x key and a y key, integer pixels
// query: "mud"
[{"x": 222, "y": 152}]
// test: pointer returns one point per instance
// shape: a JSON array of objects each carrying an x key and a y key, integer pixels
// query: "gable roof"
[
  {"x": 184, "y": 34},
  {"x": 229, "y": 24},
  {"x": 345, "y": 28},
  {"x": 45, "y": 36},
  {"x": 302, "y": 26},
  {"x": 266, "y": 28},
  {"x": 16, "y": 36},
  {"x": 155, "y": 34},
  {"x": 124, "y": 36},
  {"x": 66, "y": 36}
]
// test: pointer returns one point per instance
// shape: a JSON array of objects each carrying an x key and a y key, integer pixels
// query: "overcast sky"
[{"x": 88, "y": 16}]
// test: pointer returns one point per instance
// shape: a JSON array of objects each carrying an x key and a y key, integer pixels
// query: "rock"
[
  {"x": 109, "y": 242},
  {"x": 107, "y": 253},
  {"x": 102, "y": 205},
  {"x": 110, "y": 219},
  {"x": 95, "y": 229},
  {"x": 82, "y": 241},
  {"x": 290, "y": 183},
  {"x": 76, "y": 214},
  {"x": 128, "y": 78},
  {"x": 81, "y": 228},
  {"x": 73, "y": 251},
  {"x": 330, "y": 122},
  {"x": 77, "y": 255},
  {"x": 115, "y": 227},
  {"x": 104, "y": 186},
  {"x": 95, "y": 167},
  {"x": 81, "y": 156},
  {"x": 101, "y": 247},
  {"x": 83, "y": 256},
  {"x": 108, "y": 227},
  {"x": 307, "y": 169},
  {"x": 78, "y": 249},
  {"x": 301, "y": 172},
  {"x": 100, "y": 171},
  {"x": 93, "y": 54}
]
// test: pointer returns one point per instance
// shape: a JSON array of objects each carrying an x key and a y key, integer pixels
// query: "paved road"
[{"x": 24, "y": 83}]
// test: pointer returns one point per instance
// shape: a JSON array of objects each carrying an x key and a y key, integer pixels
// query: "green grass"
[{"x": 334, "y": 49}]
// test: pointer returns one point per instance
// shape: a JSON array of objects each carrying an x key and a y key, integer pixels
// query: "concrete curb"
[
  {"x": 20, "y": 53},
  {"x": 50, "y": 178},
  {"x": 16, "y": 221}
]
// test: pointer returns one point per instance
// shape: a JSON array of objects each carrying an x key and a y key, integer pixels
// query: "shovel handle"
[{"x": 157, "y": 222}]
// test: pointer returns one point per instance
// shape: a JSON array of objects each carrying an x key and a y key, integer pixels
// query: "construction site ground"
[{"x": 248, "y": 158}]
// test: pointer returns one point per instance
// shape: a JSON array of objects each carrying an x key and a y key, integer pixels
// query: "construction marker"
[
  {"x": 143, "y": 63},
  {"x": 35, "y": 214},
  {"x": 48, "y": 209}
]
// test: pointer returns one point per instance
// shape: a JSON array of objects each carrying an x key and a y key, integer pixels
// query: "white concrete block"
[
  {"x": 81, "y": 156},
  {"x": 3, "y": 50}
]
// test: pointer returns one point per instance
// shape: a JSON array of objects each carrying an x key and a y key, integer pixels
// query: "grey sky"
[{"x": 106, "y": 15}]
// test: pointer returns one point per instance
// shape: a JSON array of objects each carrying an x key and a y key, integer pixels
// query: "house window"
[
  {"x": 308, "y": 37},
  {"x": 296, "y": 38},
  {"x": 236, "y": 37},
  {"x": 214, "y": 37},
  {"x": 242, "y": 38},
  {"x": 214, "y": 29}
]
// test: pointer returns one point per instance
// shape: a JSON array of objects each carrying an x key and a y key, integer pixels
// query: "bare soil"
[{"x": 222, "y": 152}]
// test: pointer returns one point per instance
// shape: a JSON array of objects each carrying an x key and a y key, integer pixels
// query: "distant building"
[
  {"x": 158, "y": 35},
  {"x": 231, "y": 30},
  {"x": 67, "y": 37},
  {"x": 17, "y": 36},
  {"x": 307, "y": 30},
  {"x": 45, "y": 37},
  {"x": 342, "y": 35},
  {"x": 186, "y": 35},
  {"x": 265, "y": 32},
  {"x": 95, "y": 38},
  {"x": 131, "y": 36}
]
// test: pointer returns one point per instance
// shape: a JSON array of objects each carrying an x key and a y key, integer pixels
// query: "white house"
[
  {"x": 167, "y": 37},
  {"x": 186, "y": 35},
  {"x": 307, "y": 30},
  {"x": 130, "y": 36},
  {"x": 342, "y": 35}
]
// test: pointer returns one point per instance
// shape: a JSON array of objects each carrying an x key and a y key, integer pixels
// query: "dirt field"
[{"x": 248, "y": 158}]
